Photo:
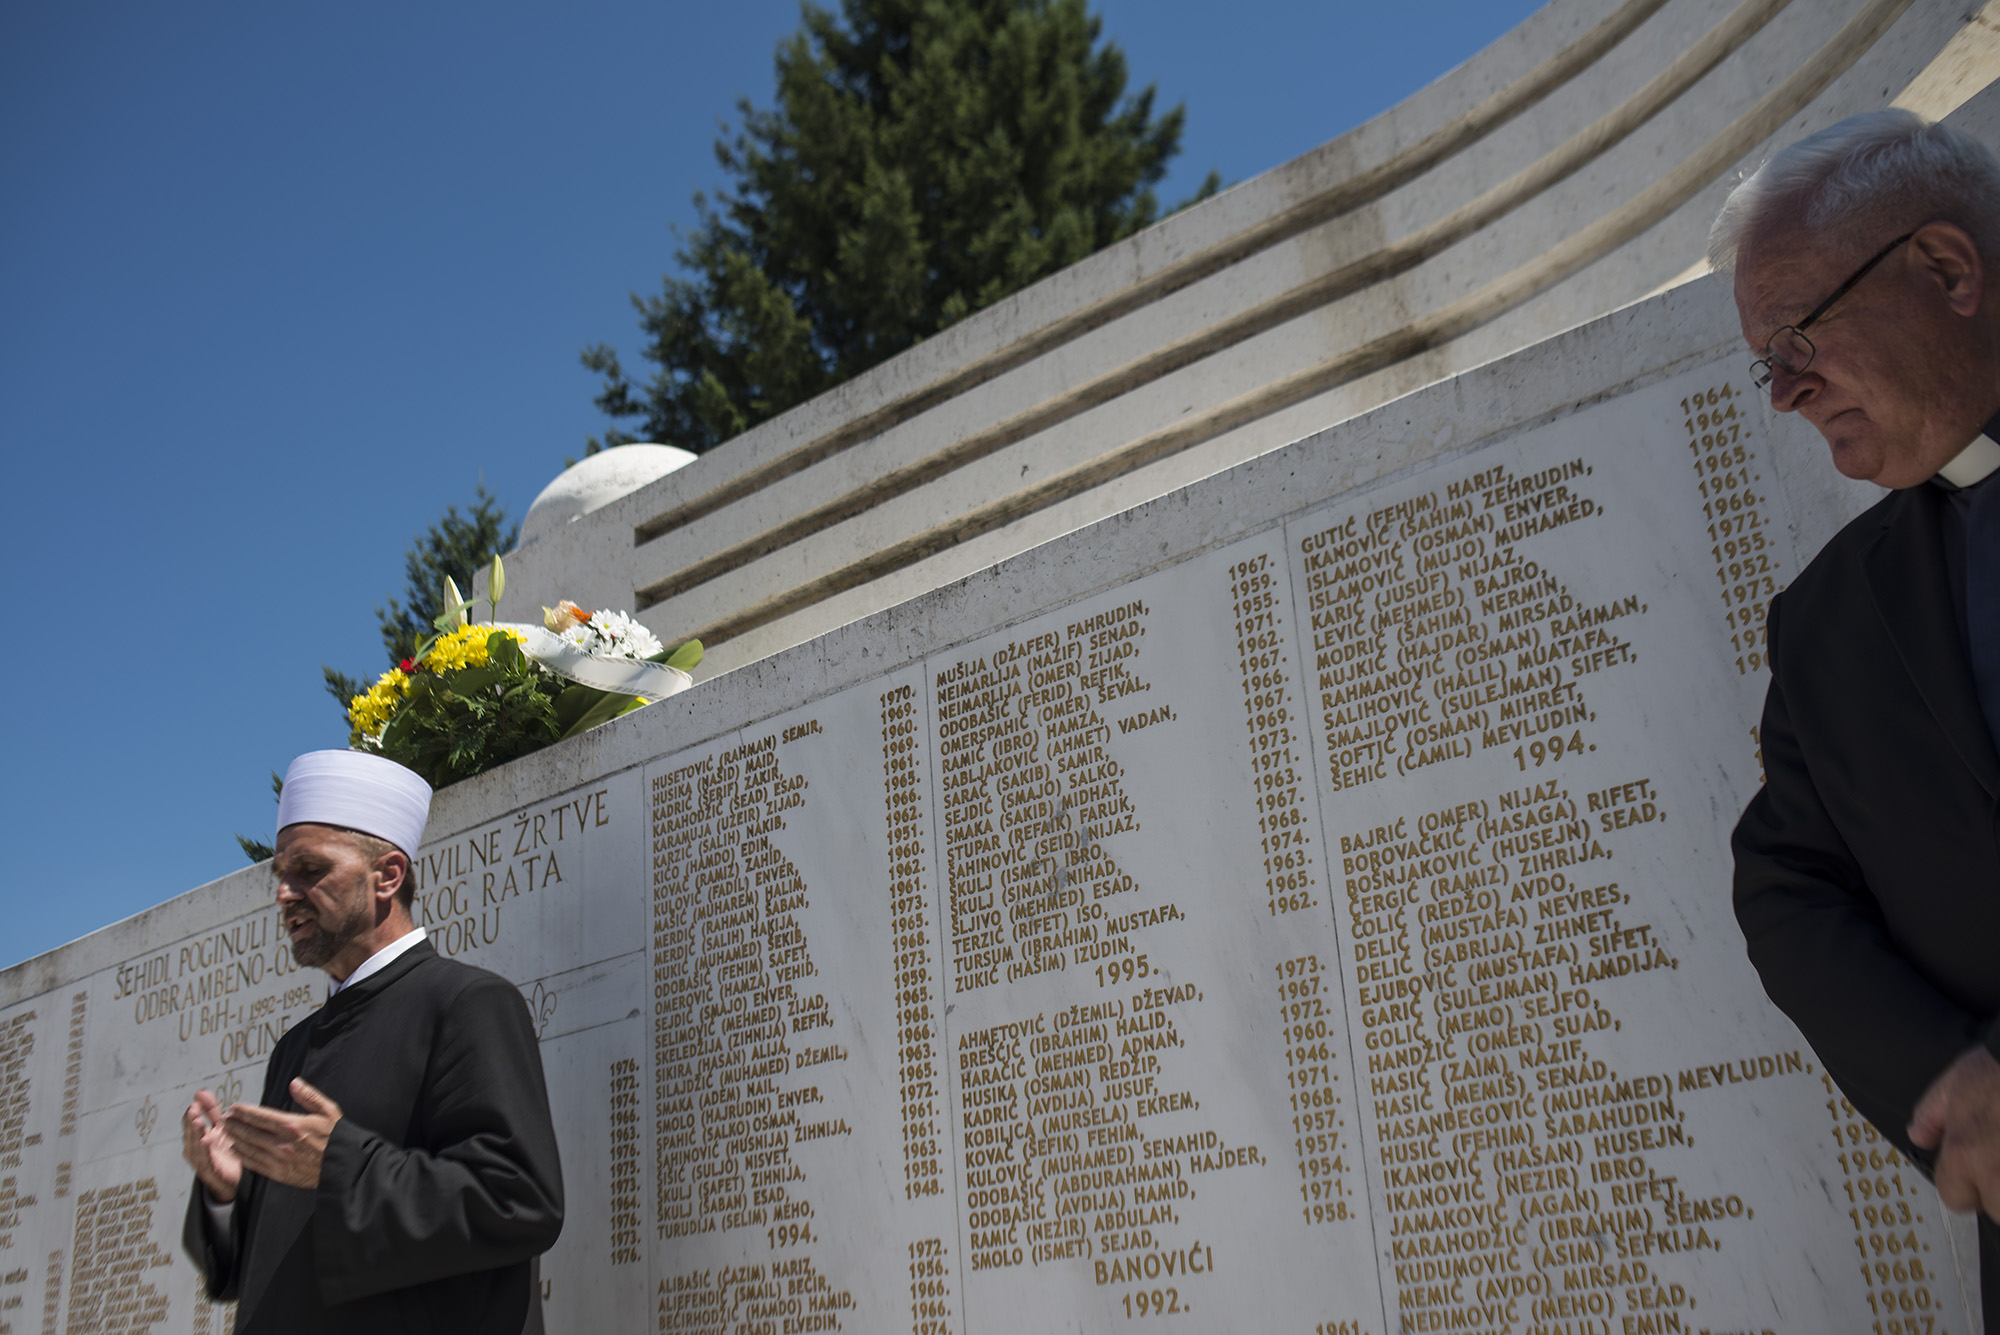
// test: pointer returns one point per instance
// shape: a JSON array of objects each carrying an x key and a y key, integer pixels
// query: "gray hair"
[
  {"x": 373, "y": 847},
  {"x": 1891, "y": 166}
]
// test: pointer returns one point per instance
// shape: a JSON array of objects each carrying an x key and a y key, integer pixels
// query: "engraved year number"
[
  {"x": 1547, "y": 752},
  {"x": 1154, "y": 1302},
  {"x": 1123, "y": 971}
]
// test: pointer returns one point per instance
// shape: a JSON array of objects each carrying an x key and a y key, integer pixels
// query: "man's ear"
[
  {"x": 1950, "y": 257},
  {"x": 392, "y": 869}
]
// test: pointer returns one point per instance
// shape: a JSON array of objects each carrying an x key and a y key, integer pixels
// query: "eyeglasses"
[{"x": 1790, "y": 350}]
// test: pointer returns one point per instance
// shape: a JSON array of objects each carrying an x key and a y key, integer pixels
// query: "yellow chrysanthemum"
[
  {"x": 370, "y": 712},
  {"x": 462, "y": 648}
]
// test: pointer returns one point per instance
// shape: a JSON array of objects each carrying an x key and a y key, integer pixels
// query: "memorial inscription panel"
[
  {"x": 1328, "y": 933},
  {"x": 1325, "y": 933}
]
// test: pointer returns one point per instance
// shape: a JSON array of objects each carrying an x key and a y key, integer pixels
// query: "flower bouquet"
[{"x": 475, "y": 696}]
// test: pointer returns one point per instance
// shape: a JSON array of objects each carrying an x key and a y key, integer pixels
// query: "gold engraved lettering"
[
  {"x": 917, "y": 974},
  {"x": 52, "y": 1278},
  {"x": 1316, "y": 1107},
  {"x": 734, "y": 1011},
  {"x": 112, "y": 1251},
  {"x": 73, "y": 1067},
  {"x": 625, "y": 1162},
  {"x": 930, "y": 1288},
  {"x": 1271, "y": 713},
  {"x": 17, "y": 1044},
  {"x": 779, "y": 1295},
  {"x": 1885, "y": 1199}
]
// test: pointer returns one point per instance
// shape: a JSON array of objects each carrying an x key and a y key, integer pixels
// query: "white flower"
[{"x": 613, "y": 635}]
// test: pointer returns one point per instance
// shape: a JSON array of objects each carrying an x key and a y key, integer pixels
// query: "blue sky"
[{"x": 280, "y": 282}]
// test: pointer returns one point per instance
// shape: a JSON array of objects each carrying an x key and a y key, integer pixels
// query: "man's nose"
[{"x": 1790, "y": 391}]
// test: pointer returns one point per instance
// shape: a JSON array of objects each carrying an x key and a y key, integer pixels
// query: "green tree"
[{"x": 925, "y": 158}]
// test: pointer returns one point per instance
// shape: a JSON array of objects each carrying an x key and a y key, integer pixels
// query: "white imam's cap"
[{"x": 356, "y": 791}]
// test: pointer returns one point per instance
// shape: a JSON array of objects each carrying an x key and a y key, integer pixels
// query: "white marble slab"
[{"x": 1297, "y": 905}]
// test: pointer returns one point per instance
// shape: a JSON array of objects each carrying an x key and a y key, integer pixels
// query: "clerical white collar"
[
  {"x": 1976, "y": 462},
  {"x": 380, "y": 960}
]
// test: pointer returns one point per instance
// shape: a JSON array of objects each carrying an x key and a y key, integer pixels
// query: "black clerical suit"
[
  {"x": 1868, "y": 868},
  {"x": 440, "y": 1184}
]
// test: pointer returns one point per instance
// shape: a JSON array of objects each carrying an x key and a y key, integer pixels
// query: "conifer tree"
[{"x": 924, "y": 159}]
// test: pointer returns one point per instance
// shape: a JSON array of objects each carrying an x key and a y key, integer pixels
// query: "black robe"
[
  {"x": 1868, "y": 868},
  {"x": 440, "y": 1185}
]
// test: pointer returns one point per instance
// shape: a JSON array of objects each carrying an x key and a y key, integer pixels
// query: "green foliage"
[
  {"x": 461, "y": 722},
  {"x": 581, "y": 708},
  {"x": 687, "y": 658},
  {"x": 925, "y": 159}
]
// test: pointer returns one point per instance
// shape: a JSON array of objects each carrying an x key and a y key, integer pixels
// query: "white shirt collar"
[
  {"x": 1973, "y": 464},
  {"x": 380, "y": 960}
]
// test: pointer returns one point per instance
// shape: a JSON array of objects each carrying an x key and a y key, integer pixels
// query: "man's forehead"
[
  {"x": 309, "y": 839},
  {"x": 1782, "y": 272},
  {"x": 1785, "y": 268}
]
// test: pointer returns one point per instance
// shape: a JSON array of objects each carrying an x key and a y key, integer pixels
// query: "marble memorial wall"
[{"x": 1326, "y": 933}]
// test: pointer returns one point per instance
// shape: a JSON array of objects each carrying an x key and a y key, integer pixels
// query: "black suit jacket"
[
  {"x": 1868, "y": 868},
  {"x": 440, "y": 1185}
]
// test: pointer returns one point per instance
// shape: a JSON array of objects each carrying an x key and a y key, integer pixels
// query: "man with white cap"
[{"x": 400, "y": 1173}]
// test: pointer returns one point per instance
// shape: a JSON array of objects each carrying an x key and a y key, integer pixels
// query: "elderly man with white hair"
[
  {"x": 1868, "y": 868},
  {"x": 400, "y": 1173}
]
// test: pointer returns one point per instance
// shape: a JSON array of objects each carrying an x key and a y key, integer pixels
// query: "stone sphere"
[{"x": 597, "y": 481}]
